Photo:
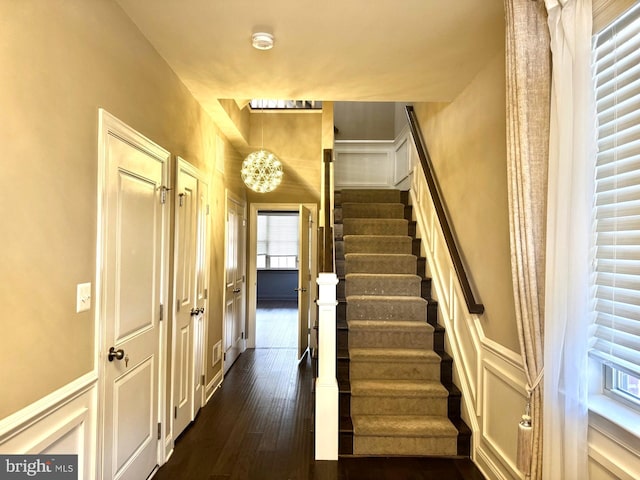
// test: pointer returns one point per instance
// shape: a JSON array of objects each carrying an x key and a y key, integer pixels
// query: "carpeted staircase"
[{"x": 392, "y": 397}]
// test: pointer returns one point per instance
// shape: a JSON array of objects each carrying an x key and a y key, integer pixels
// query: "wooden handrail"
[
  {"x": 328, "y": 264},
  {"x": 427, "y": 167}
]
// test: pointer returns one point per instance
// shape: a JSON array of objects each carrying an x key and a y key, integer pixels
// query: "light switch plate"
[{"x": 83, "y": 297}]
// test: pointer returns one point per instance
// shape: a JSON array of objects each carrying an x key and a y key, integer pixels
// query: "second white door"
[
  {"x": 234, "y": 312},
  {"x": 190, "y": 285}
]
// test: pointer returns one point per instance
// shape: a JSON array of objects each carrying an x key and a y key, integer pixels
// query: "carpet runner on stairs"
[{"x": 398, "y": 404}]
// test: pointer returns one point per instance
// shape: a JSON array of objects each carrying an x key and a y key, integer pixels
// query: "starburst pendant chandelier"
[{"x": 261, "y": 171}]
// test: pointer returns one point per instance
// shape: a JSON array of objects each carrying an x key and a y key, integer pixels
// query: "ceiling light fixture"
[
  {"x": 262, "y": 41},
  {"x": 262, "y": 171}
]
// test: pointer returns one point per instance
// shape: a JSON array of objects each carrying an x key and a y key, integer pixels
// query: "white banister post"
[{"x": 326, "y": 414}]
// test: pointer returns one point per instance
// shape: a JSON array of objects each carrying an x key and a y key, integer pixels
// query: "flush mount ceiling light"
[{"x": 262, "y": 41}]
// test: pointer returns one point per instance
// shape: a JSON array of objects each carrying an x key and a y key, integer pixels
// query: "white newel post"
[{"x": 326, "y": 383}]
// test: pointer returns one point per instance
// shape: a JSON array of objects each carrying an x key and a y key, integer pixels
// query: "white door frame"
[
  {"x": 231, "y": 197},
  {"x": 183, "y": 164},
  {"x": 110, "y": 125},
  {"x": 252, "y": 271}
]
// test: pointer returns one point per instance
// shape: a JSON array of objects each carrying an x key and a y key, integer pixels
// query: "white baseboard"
[{"x": 212, "y": 386}]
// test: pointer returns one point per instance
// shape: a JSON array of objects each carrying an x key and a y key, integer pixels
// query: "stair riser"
[
  {"x": 373, "y": 244},
  {"x": 409, "y": 287},
  {"x": 358, "y": 226},
  {"x": 370, "y": 405},
  {"x": 417, "y": 446},
  {"x": 367, "y": 210},
  {"x": 390, "y": 339},
  {"x": 365, "y": 264},
  {"x": 343, "y": 372},
  {"x": 344, "y": 404},
  {"x": 369, "y": 196},
  {"x": 363, "y": 370},
  {"x": 374, "y": 310}
]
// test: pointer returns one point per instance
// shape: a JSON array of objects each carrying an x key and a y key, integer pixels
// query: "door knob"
[
  {"x": 117, "y": 354},
  {"x": 194, "y": 312},
  {"x": 301, "y": 289},
  {"x": 236, "y": 290}
]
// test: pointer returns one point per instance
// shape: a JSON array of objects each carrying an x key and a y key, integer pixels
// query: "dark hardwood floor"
[
  {"x": 258, "y": 426},
  {"x": 277, "y": 324}
]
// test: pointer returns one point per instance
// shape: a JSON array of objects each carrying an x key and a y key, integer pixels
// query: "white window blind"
[
  {"x": 616, "y": 340},
  {"x": 278, "y": 239}
]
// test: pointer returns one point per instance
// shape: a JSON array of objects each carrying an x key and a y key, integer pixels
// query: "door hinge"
[
  {"x": 203, "y": 380},
  {"x": 207, "y": 209},
  {"x": 242, "y": 278},
  {"x": 177, "y": 304},
  {"x": 206, "y": 293},
  {"x": 163, "y": 194},
  {"x": 224, "y": 357},
  {"x": 159, "y": 430},
  {"x": 175, "y": 412},
  {"x": 161, "y": 312},
  {"x": 242, "y": 335},
  {"x": 181, "y": 197}
]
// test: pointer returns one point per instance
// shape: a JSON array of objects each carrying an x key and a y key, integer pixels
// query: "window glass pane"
[
  {"x": 277, "y": 239},
  {"x": 627, "y": 384}
]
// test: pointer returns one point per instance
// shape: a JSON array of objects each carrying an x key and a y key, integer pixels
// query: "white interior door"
[
  {"x": 202, "y": 289},
  {"x": 304, "y": 279},
  {"x": 185, "y": 271},
  {"x": 234, "y": 313},
  {"x": 134, "y": 224}
]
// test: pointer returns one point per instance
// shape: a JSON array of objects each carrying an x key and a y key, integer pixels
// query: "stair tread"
[
  {"x": 393, "y": 354},
  {"x": 381, "y": 276},
  {"x": 378, "y": 255},
  {"x": 398, "y": 388},
  {"x": 403, "y": 426},
  {"x": 389, "y": 325},
  {"x": 386, "y": 298}
]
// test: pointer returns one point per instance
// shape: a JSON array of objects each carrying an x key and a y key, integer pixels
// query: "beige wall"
[
  {"x": 467, "y": 143},
  {"x": 296, "y": 139},
  {"x": 62, "y": 60}
]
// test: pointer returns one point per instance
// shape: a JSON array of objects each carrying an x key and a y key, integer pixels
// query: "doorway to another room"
[
  {"x": 277, "y": 279},
  {"x": 282, "y": 271}
]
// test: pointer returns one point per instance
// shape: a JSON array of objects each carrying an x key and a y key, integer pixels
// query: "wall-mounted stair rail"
[
  {"x": 326, "y": 387},
  {"x": 427, "y": 167}
]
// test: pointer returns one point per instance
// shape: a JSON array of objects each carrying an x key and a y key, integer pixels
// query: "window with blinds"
[
  {"x": 277, "y": 245},
  {"x": 616, "y": 340}
]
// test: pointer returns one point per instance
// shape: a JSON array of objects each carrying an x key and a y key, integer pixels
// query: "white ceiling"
[{"x": 340, "y": 50}]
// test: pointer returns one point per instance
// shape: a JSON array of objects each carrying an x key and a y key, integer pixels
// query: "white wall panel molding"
[
  {"x": 402, "y": 159},
  {"x": 504, "y": 397},
  {"x": 490, "y": 376},
  {"x": 360, "y": 164},
  {"x": 613, "y": 448},
  {"x": 63, "y": 422}
]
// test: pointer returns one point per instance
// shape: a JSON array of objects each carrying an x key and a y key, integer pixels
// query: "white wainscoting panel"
[
  {"x": 63, "y": 422},
  {"x": 499, "y": 424},
  {"x": 402, "y": 160},
  {"x": 489, "y": 375},
  {"x": 364, "y": 164}
]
